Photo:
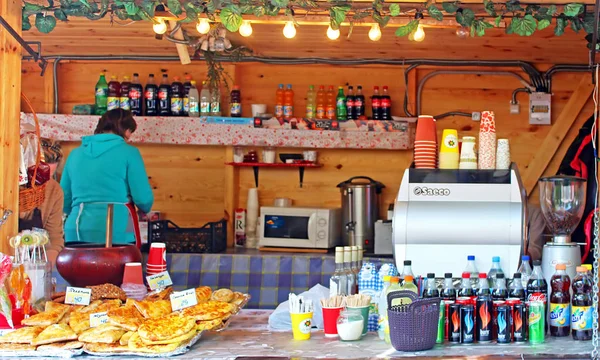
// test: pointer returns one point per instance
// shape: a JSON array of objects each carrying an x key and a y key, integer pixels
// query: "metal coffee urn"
[{"x": 360, "y": 210}]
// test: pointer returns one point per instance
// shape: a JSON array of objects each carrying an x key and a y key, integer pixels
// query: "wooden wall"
[{"x": 191, "y": 182}]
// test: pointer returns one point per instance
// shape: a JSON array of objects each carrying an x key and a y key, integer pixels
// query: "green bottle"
[
  {"x": 340, "y": 105},
  {"x": 101, "y": 95}
]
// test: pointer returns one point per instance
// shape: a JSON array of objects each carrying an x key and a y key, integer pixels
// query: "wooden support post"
[
  {"x": 182, "y": 50},
  {"x": 10, "y": 100},
  {"x": 411, "y": 89},
  {"x": 232, "y": 186},
  {"x": 559, "y": 130}
]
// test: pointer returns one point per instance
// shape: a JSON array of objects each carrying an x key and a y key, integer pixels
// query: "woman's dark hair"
[{"x": 116, "y": 121}]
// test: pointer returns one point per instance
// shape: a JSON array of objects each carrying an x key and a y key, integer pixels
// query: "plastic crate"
[{"x": 210, "y": 238}]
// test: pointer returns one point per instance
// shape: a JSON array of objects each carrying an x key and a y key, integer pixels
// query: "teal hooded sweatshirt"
[{"x": 104, "y": 169}]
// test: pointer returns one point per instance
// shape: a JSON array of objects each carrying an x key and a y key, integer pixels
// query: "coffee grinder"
[{"x": 562, "y": 199}]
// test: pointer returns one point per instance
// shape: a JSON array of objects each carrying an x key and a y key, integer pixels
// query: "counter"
[{"x": 248, "y": 337}]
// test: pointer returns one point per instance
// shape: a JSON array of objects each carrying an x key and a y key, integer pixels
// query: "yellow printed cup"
[
  {"x": 449, "y": 142},
  {"x": 301, "y": 324}
]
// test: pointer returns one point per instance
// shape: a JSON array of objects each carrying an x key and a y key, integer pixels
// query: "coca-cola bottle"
[
  {"x": 500, "y": 291},
  {"x": 359, "y": 103},
  {"x": 385, "y": 109},
  {"x": 537, "y": 287},
  {"x": 431, "y": 290},
  {"x": 560, "y": 302},
  {"x": 376, "y": 104},
  {"x": 164, "y": 96},
  {"x": 516, "y": 288},
  {"x": 465, "y": 286},
  {"x": 350, "y": 114},
  {"x": 151, "y": 97},
  {"x": 448, "y": 290},
  {"x": 135, "y": 95}
]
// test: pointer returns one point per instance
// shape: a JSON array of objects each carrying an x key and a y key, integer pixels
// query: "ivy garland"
[{"x": 525, "y": 19}]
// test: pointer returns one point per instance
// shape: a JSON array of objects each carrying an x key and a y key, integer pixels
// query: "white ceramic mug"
[{"x": 258, "y": 109}]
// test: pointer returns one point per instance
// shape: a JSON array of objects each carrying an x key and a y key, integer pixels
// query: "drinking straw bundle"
[
  {"x": 334, "y": 302},
  {"x": 358, "y": 300}
]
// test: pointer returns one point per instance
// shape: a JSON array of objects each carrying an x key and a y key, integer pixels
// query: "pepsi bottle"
[
  {"x": 448, "y": 291},
  {"x": 500, "y": 292},
  {"x": 516, "y": 288},
  {"x": 465, "y": 286},
  {"x": 431, "y": 290}
]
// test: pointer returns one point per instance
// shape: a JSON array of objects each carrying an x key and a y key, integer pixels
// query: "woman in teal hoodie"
[{"x": 105, "y": 170}]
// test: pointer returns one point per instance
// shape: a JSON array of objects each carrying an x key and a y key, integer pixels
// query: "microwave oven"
[{"x": 296, "y": 227}]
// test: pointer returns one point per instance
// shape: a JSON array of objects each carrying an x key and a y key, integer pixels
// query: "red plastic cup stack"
[
  {"x": 157, "y": 259},
  {"x": 133, "y": 281},
  {"x": 426, "y": 143}
]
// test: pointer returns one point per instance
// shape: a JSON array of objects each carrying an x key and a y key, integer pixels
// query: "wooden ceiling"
[{"x": 85, "y": 37}]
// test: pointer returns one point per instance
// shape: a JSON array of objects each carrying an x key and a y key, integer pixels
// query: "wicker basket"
[
  {"x": 413, "y": 327},
  {"x": 33, "y": 197}
]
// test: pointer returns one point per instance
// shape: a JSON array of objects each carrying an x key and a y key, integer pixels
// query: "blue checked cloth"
[{"x": 268, "y": 278}]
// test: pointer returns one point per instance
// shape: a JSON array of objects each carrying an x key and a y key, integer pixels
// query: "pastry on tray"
[
  {"x": 68, "y": 345},
  {"x": 210, "y": 311},
  {"x": 224, "y": 295},
  {"x": 203, "y": 294},
  {"x": 208, "y": 325},
  {"x": 127, "y": 317},
  {"x": 24, "y": 335},
  {"x": 176, "y": 340},
  {"x": 136, "y": 344},
  {"x": 152, "y": 309},
  {"x": 115, "y": 348},
  {"x": 107, "y": 291},
  {"x": 16, "y": 347},
  {"x": 105, "y": 333},
  {"x": 46, "y": 318},
  {"x": 166, "y": 327},
  {"x": 159, "y": 295},
  {"x": 55, "y": 333},
  {"x": 125, "y": 338}
]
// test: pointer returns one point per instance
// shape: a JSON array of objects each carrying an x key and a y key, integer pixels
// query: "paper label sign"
[
  {"x": 160, "y": 280},
  {"x": 78, "y": 296},
  {"x": 183, "y": 299},
  {"x": 97, "y": 319}
]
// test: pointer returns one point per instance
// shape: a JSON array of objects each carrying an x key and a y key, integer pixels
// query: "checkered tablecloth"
[{"x": 267, "y": 278}]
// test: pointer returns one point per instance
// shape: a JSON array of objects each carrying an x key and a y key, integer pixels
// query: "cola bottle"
[
  {"x": 151, "y": 97},
  {"x": 135, "y": 95},
  {"x": 385, "y": 109},
  {"x": 359, "y": 103},
  {"x": 560, "y": 302},
  {"x": 376, "y": 104},
  {"x": 537, "y": 287},
  {"x": 500, "y": 292},
  {"x": 164, "y": 96},
  {"x": 465, "y": 286},
  {"x": 448, "y": 291},
  {"x": 431, "y": 290},
  {"x": 516, "y": 288}
]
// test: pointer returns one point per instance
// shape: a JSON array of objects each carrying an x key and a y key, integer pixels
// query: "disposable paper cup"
[
  {"x": 301, "y": 325},
  {"x": 258, "y": 109},
  {"x": 330, "y": 316},
  {"x": 133, "y": 273},
  {"x": 364, "y": 311},
  {"x": 157, "y": 256}
]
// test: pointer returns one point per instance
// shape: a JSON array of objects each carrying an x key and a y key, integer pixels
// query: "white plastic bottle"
[
  {"x": 472, "y": 269},
  {"x": 193, "y": 100},
  {"x": 496, "y": 269},
  {"x": 525, "y": 270},
  {"x": 382, "y": 306},
  {"x": 205, "y": 100}
]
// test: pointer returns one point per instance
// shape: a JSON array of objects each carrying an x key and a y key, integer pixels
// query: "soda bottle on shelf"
[
  {"x": 483, "y": 313},
  {"x": 516, "y": 288},
  {"x": 376, "y": 104},
  {"x": 321, "y": 112},
  {"x": 537, "y": 287},
  {"x": 386, "y": 105},
  {"x": 382, "y": 307},
  {"x": 581, "y": 318},
  {"x": 194, "y": 100},
  {"x": 350, "y": 104},
  {"x": 494, "y": 270},
  {"x": 466, "y": 290},
  {"x": 448, "y": 290},
  {"x": 525, "y": 270},
  {"x": 359, "y": 103},
  {"x": 204, "y": 100},
  {"x": 114, "y": 94},
  {"x": 560, "y": 302},
  {"x": 288, "y": 103},
  {"x": 151, "y": 97},
  {"x": 187, "y": 85},
  {"x": 407, "y": 270},
  {"x": 101, "y": 92},
  {"x": 124, "y": 102},
  {"x": 500, "y": 292},
  {"x": 135, "y": 95},
  {"x": 340, "y": 105},
  {"x": 311, "y": 103},
  {"x": 431, "y": 290},
  {"x": 472, "y": 270},
  {"x": 164, "y": 96},
  {"x": 279, "y": 102},
  {"x": 235, "y": 104},
  {"x": 177, "y": 93},
  {"x": 215, "y": 102},
  {"x": 330, "y": 104}
]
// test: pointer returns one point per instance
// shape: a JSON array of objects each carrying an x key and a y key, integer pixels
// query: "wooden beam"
[
  {"x": 559, "y": 130},
  {"x": 232, "y": 187},
  {"x": 412, "y": 91},
  {"x": 182, "y": 50},
  {"x": 10, "y": 100}
]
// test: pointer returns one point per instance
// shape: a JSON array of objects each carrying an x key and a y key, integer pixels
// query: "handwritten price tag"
[
  {"x": 97, "y": 319},
  {"x": 78, "y": 296},
  {"x": 160, "y": 280},
  {"x": 183, "y": 299}
]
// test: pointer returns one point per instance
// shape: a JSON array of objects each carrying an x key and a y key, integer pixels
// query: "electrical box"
[{"x": 539, "y": 108}]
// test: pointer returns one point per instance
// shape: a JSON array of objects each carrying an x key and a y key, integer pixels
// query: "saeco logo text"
[{"x": 424, "y": 191}]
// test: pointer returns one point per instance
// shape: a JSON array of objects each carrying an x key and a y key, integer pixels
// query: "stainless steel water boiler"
[{"x": 360, "y": 210}]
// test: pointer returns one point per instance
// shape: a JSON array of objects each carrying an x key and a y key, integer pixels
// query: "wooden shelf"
[{"x": 256, "y": 166}]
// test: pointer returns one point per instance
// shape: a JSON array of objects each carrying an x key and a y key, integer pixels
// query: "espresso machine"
[
  {"x": 562, "y": 199},
  {"x": 443, "y": 216}
]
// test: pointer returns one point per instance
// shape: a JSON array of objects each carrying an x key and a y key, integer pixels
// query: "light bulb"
[
  {"x": 246, "y": 28},
  {"x": 419, "y": 34},
  {"x": 289, "y": 30},
  {"x": 203, "y": 26},
  {"x": 333, "y": 34},
  {"x": 375, "y": 32},
  {"x": 160, "y": 27},
  {"x": 463, "y": 32}
]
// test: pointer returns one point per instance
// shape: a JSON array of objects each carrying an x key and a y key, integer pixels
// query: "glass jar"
[
  {"x": 238, "y": 154},
  {"x": 350, "y": 325}
]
